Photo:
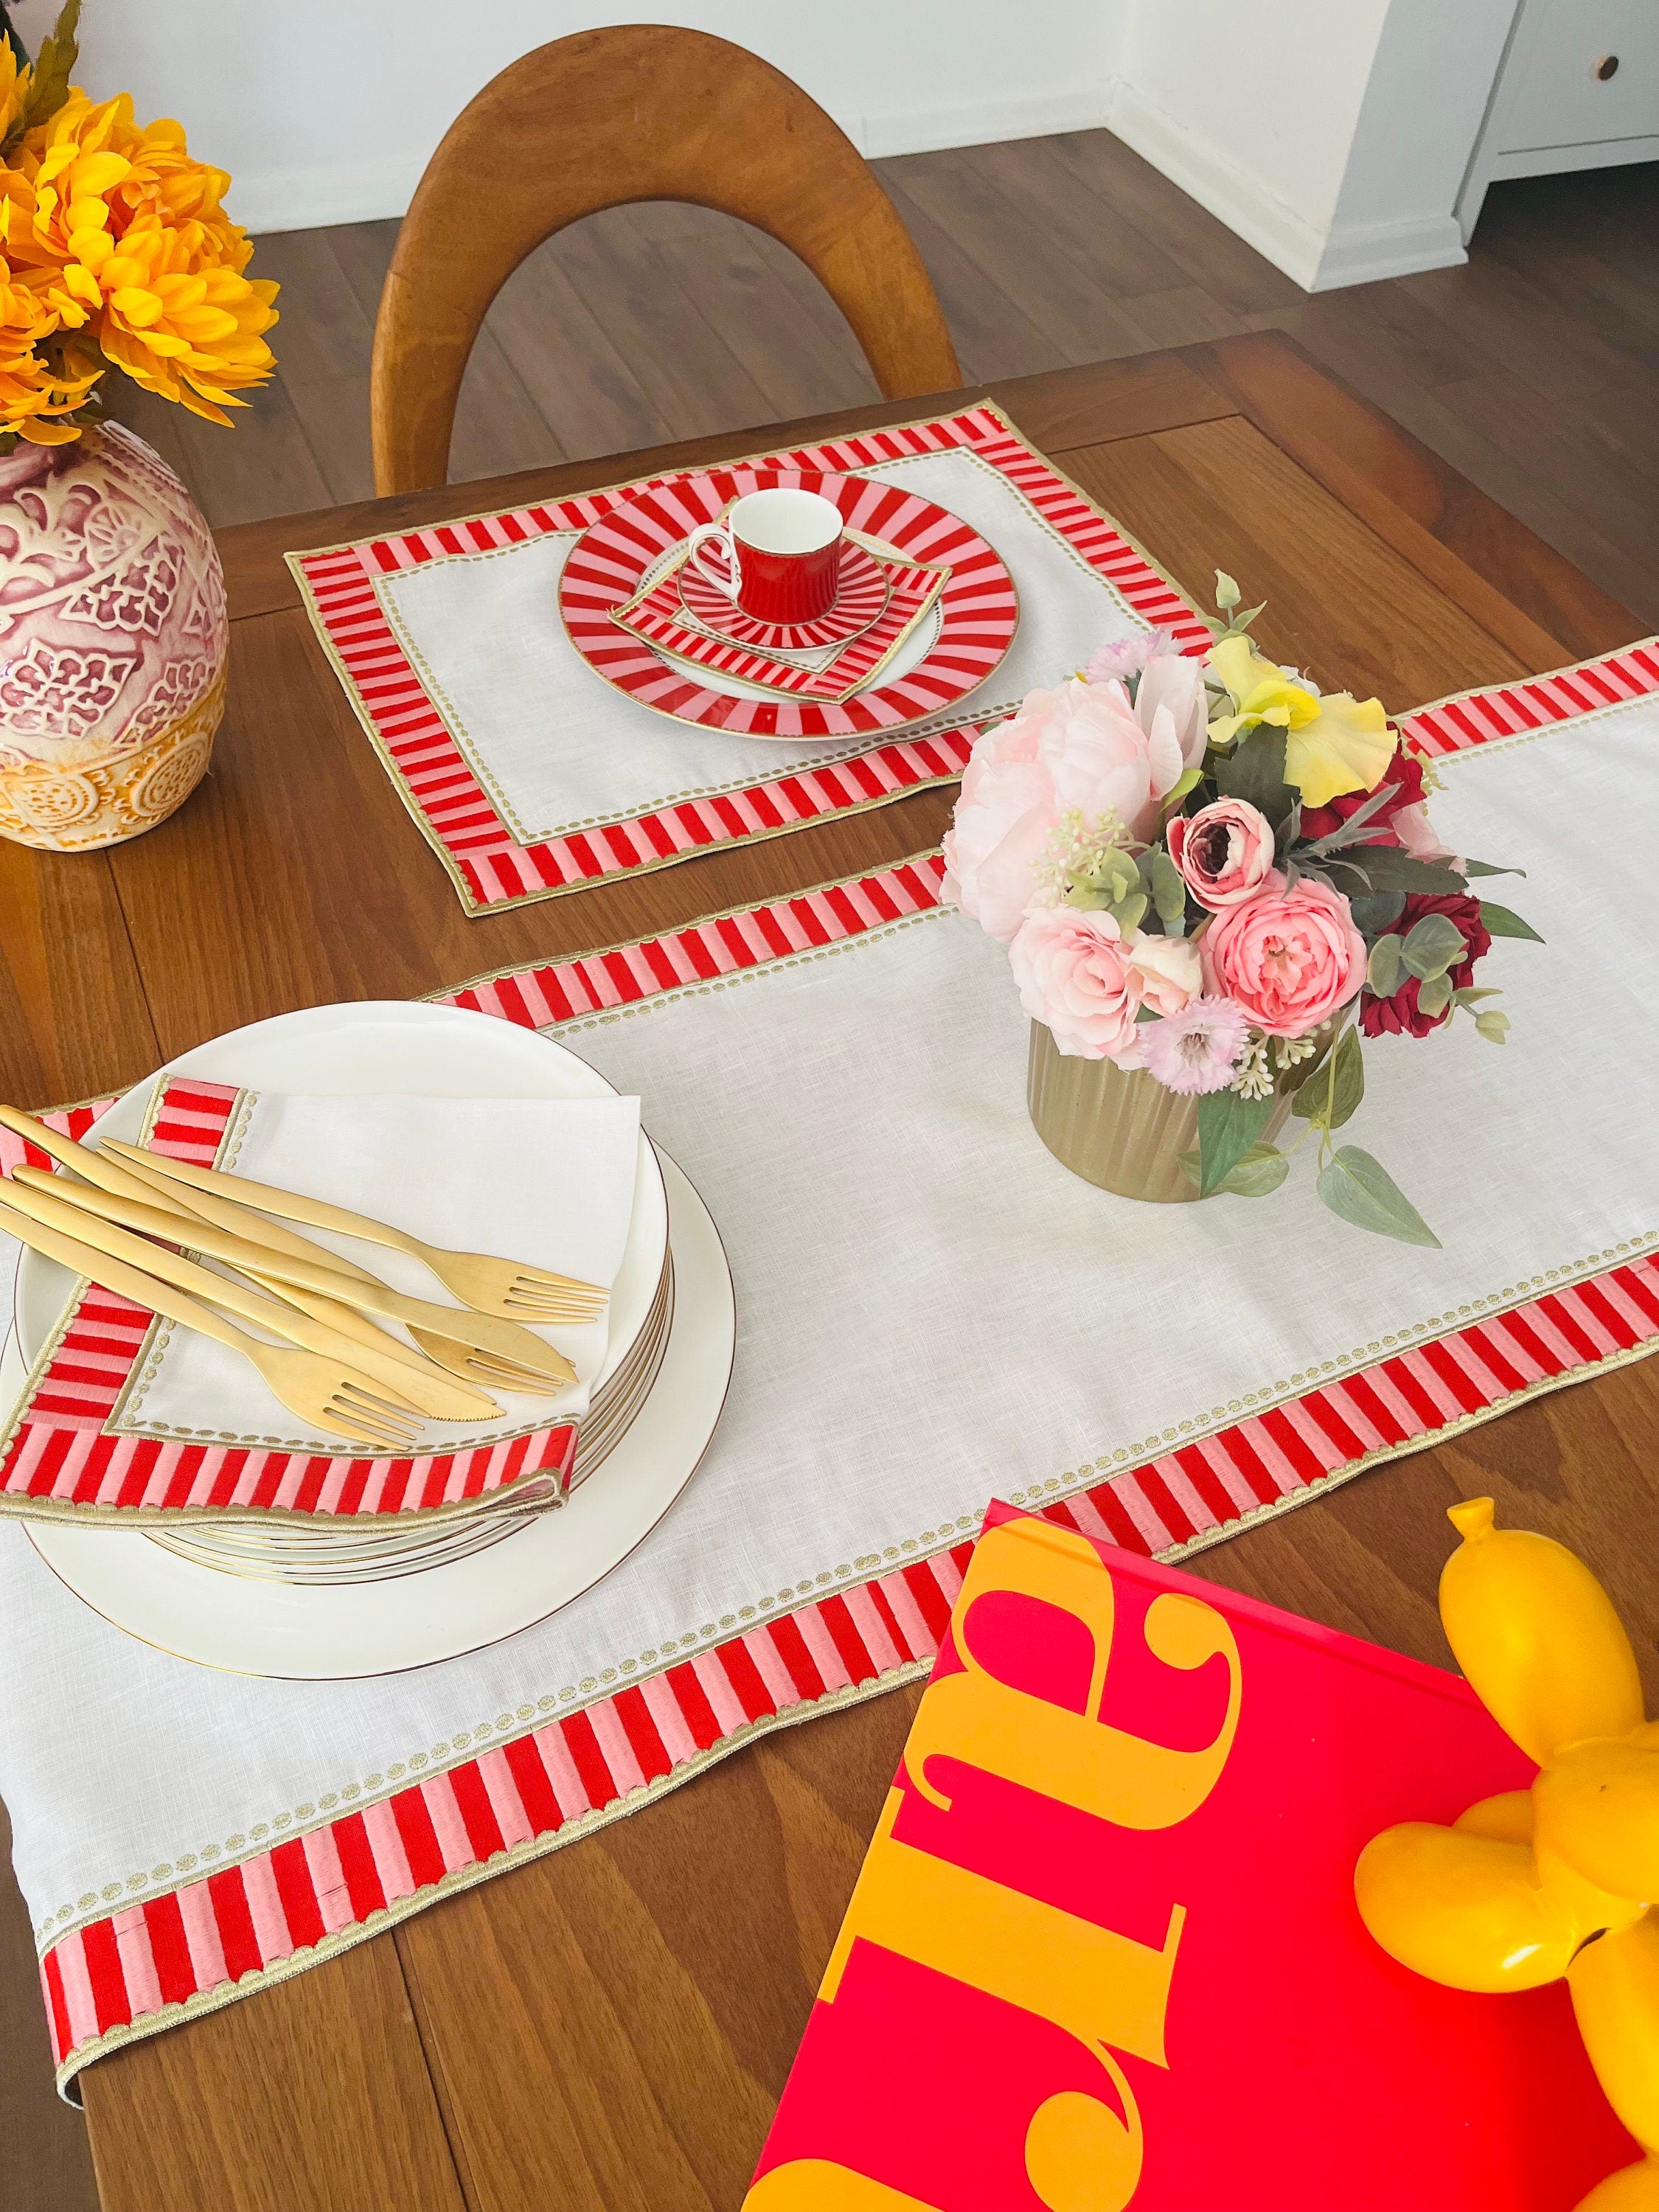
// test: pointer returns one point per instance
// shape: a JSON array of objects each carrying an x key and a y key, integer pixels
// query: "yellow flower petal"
[{"x": 1345, "y": 747}]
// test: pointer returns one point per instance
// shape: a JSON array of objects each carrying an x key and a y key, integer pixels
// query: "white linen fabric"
[
  {"x": 558, "y": 749},
  {"x": 932, "y": 1311},
  {"x": 546, "y": 1181}
]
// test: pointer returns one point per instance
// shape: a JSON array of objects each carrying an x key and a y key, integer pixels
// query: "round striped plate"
[{"x": 979, "y": 609}]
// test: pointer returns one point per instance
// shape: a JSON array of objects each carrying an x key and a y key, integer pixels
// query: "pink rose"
[
  {"x": 1085, "y": 981},
  {"x": 1290, "y": 958},
  {"x": 1225, "y": 851}
]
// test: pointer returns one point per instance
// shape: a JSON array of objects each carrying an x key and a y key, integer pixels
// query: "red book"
[{"x": 1104, "y": 1951}]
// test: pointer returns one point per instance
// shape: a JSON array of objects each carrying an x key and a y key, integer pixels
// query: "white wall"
[
  {"x": 1332, "y": 134},
  {"x": 325, "y": 110}
]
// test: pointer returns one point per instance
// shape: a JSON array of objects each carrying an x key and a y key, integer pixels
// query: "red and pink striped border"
[
  {"x": 485, "y": 862},
  {"x": 131, "y": 1972},
  {"x": 60, "y": 1456}
]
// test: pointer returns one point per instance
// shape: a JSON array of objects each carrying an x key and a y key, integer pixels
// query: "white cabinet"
[{"x": 1578, "y": 89}]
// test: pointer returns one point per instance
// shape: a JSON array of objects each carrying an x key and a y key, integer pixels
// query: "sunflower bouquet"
[
  {"x": 115, "y": 252},
  {"x": 1225, "y": 882}
]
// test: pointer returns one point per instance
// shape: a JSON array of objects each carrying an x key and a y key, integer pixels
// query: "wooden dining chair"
[{"x": 602, "y": 118}]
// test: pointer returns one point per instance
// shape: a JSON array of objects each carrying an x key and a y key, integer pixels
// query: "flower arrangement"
[
  {"x": 115, "y": 252},
  {"x": 1211, "y": 872}
]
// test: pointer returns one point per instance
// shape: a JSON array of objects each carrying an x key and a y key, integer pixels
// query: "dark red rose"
[
  {"x": 1402, "y": 780},
  {"x": 1401, "y": 1014}
]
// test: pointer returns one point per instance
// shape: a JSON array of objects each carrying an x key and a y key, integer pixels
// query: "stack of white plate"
[{"x": 277, "y": 1595}]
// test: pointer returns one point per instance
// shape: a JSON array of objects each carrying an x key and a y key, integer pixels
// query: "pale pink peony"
[
  {"x": 1289, "y": 958},
  {"x": 1197, "y": 1049},
  {"x": 1081, "y": 977},
  {"x": 1100, "y": 757},
  {"x": 1225, "y": 851},
  {"x": 1004, "y": 818}
]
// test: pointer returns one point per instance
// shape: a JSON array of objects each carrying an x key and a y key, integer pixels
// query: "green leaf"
[
  {"x": 1261, "y": 1171},
  {"x": 1127, "y": 913},
  {"x": 1254, "y": 769},
  {"x": 1242, "y": 622},
  {"x": 1331, "y": 1094},
  {"x": 1433, "y": 946},
  {"x": 1502, "y": 923},
  {"x": 1486, "y": 868},
  {"x": 1353, "y": 828},
  {"x": 1286, "y": 834},
  {"x": 1436, "y": 995},
  {"x": 1228, "y": 1125},
  {"x": 49, "y": 82},
  {"x": 1492, "y": 1025},
  {"x": 1227, "y": 593},
  {"x": 1468, "y": 996},
  {"x": 1386, "y": 868},
  {"x": 1169, "y": 887},
  {"x": 1377, "y": 911},
  {"x": 1188, "y": 780},
  {"x": 1358, "y": 1190},
  {"x": 1187, "y": 1163},
  {"x": 1382, "y": 969}
]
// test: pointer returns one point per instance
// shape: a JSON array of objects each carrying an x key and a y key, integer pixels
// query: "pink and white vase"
[{"x": 113, "y": 641}]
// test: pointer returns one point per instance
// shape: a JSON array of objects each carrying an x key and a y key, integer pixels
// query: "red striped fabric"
[
  {"x": 59, "y": 1454},
  {"x": 486, "y": 863},
  {"x": 128, "y": 1972}
]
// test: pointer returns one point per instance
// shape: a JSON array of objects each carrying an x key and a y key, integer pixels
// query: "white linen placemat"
[{"x": 932, "y": 1311}]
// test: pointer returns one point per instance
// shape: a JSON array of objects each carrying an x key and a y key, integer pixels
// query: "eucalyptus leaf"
[
  {"x": 1127, "y": 913},
  {"x": 1493, "y": 1025},
  {"x": 1261, "y": 1171},
  {"x": 1502, "y": 923},
  {"x": 1432, "y": 946},
  {"x": 1377, "y": 911},
  {"x": 1333, "y": 1090},
  {"x": 1468, "y": 996},
  {"x": 1169, "y": 887},
  {"x": 1434, "y": 996},
  {"x": 1254, "y": 771},
  {"x": 1383, "y": 969},
  {"x": 1358, "y": 1190},
  {"x": 1228, "y": 1125}
]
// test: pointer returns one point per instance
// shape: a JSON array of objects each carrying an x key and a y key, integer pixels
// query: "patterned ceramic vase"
[
  {"x": 1125, "y": 1132},
  {"x": 113, "y": 641}
]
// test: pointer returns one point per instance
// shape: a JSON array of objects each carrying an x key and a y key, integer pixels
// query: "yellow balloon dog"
[{"x": 1560, "y": 1879}]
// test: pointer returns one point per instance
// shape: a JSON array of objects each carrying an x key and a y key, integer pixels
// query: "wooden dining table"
[{"x": 611, "y": 2026}]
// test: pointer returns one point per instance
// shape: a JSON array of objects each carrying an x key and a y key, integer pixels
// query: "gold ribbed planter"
[{"x": 1124, "y": 1133}]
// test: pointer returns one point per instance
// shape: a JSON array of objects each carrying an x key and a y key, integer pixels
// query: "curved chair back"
[{"x": 639, "y": 112}]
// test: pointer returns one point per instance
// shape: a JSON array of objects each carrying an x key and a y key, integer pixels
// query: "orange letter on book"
[{"x": 976, "y": 1716}]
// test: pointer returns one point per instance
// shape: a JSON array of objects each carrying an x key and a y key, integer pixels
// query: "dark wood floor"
[{"x": 1534, "y": 370}]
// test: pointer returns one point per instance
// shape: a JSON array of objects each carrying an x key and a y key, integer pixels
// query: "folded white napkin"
[{"x": 546, "y": 1181}]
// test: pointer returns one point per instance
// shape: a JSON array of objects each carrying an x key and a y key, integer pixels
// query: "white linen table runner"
[{"x": 932, "y": 1312}]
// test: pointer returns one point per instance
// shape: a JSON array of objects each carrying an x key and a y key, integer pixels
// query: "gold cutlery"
[
  {"x": 142, "y": 1185},
  {"x": 495, "y": 1369},
  {"x": 321, "y": 1393},
  {"x": 440, "y": 1397},
  {"x": 485, "y": 1331},
  {"x": 508, "y": 1288}
]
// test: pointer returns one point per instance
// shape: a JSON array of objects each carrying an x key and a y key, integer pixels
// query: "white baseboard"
[
  {"x": 304, "y": 198},
  {"x": 1318, "y": 260},
  {"x": 979, "y": 122}
]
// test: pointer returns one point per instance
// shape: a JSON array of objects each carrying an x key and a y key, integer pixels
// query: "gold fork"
[
  {"x": 322, "y": 1393},
  {"x": 488, "y": 1331},
  {"x": 392, "y": 1370},
  {"x": 510, "y": 1288},
  {"x": 140, "y": 1183}
]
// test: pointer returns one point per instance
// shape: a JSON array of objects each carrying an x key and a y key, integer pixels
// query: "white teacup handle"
[{"x": 708, "y": 534}]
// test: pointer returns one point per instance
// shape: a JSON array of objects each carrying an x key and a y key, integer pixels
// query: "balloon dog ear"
[{"x": 1537, "y": 1637}]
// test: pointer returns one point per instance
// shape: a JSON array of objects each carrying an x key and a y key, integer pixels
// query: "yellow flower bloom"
[
  {"x": 1332, "y": 744},
  {"x": 124, "y": 236}
]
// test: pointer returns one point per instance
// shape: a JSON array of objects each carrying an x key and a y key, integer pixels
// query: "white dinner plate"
[
  {"x": 322, "y": 1632},
  {"x": 386, "y": 1045}
]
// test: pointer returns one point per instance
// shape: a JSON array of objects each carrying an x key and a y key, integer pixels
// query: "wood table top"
[{"x": 610, "y": 2026}]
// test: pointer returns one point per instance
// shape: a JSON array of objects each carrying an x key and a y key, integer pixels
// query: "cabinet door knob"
[{"x": 1606, "y": 67}]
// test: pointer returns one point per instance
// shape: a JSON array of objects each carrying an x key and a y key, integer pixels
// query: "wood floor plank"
[
  {"x": 994, "y": 337},
  {"x": 339, "y": 2114},
  {"x": 1097, "y": 240},
  {"x": 1359, "y": 618}
]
